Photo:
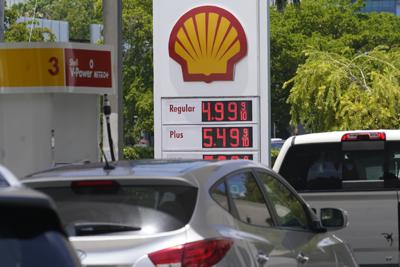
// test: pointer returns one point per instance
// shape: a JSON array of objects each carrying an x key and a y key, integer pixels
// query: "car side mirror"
[{"x": 333, "y": 219}]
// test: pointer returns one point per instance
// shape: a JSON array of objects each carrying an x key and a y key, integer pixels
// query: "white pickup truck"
[{"x": 357, "y": 171}]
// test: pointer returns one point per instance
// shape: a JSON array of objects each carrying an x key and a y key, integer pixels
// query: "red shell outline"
[{"x": 228, "y": 76}]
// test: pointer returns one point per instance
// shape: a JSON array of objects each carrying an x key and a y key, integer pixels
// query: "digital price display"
[
  {"x": 228, "y": 157},
  {"x": 226, "y": 110},
  {"x": 227, "y": 137}
]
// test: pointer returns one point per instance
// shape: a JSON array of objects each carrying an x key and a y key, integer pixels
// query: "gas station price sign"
[
  {"x": 233, "y": 110},
  {"x": 227, "y": 137},
  {"x": 207, "y": 138},
  {"x": 227, "y": 156},
  {"x": 211, "y": 80},
  {"x": 204, "y": 125},
  {"x": 215, "y": 155},
  {"x": 209, "y": 110}
]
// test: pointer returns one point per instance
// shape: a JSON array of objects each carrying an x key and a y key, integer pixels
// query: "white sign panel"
[
  {"x": 211, "y": 79},
  {"x": 184, "y": 138},
  {"x": 209, "y": 110}
]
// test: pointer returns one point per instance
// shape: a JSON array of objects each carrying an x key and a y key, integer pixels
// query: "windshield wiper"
[{"x": 98, "y": 228}]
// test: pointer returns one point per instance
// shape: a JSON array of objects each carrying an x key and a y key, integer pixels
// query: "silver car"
[{"x": 190, "y": 213}]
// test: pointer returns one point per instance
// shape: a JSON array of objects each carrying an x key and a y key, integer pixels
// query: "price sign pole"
[{"x": 211, "y": 97}]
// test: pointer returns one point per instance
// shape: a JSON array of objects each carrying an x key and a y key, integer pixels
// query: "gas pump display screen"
[
  {"x": 226, "y": 110},
  {"x": 227, "y": 137}
]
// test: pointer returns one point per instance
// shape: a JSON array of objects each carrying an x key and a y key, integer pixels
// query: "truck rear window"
[
  {"x": 333, "y": 166},
  {"x": 87, "y": 209}
]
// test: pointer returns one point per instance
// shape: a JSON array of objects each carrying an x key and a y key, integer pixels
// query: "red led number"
[
  {"x": 206, "y": 109},
  {"x": 228, "y": 156},
  {"x": 208, "y": 157},
  {"x": 235, "y": 136},
  {"x": 221, "y": 137},
  {"x": 243, "y": 112},
  {"x": 219, "y": 111},
  {"x": 207, "y": 137},
  {"x": 232, "y": 111},
  {"x": 226, "y": 111},
  {"x": 245, "y": 138}
]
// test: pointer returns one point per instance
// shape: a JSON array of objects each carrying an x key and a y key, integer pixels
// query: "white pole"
[
  {"x": 112, "y": 20},
  {"x": 264, "y": 83}
]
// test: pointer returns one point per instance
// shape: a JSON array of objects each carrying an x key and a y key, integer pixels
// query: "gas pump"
[{"x": 50, "y": 103}]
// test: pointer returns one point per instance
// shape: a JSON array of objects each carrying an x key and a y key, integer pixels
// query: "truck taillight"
[
  {"x": 203, "y": 253},
  {"x": 364, "y": 136}
]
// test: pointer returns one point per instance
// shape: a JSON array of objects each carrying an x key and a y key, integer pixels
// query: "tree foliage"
[
  {"x": 137, "y": 68},
  {"x": 78, "y": 13},
  {"x": 137, "y": 152},
  {"x": 334, "y": 92},
  {"x": 21, "y": 32},
  {"x": 335, "y": 26}
]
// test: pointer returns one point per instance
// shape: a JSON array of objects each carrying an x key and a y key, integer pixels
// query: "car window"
[
  {"x": 218, "y": 193},
  {"x": 393, "y": 159},
  {"x": 328, "y": 166},
  {"x": 289, "y": 209},
  {"x": 140, "y": 209},
  {"x": 312, "y": 166},
  {"x": 248, "y": 199}
]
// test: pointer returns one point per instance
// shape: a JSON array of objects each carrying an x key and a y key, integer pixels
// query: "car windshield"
[
  {"x": 329, "y": 165},
  {"x": 92, "y": 210}
]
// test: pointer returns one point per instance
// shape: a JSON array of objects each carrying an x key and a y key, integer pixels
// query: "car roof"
[
  {"x": 190, "y": 170},
  {"x": 23, "y": 196},
  {"x": 336, "y": 136}
]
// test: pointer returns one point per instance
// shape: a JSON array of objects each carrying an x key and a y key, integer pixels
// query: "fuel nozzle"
[
  {"x": 107, "y": 113},
  {"x": 107, "y": 107}
]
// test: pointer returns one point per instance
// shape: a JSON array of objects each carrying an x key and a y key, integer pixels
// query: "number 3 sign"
[{"x": 44, "y": 67}]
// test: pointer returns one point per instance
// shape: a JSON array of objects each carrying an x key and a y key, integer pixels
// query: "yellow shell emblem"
[{"x": 207, "y": 42}]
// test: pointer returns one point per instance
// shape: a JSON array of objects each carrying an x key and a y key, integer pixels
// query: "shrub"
[{"x": 137, "y": 152}]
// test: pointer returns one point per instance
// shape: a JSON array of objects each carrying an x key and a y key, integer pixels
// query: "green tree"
[
  {"x": 78, "y": 13},
  {"x": 334, "y": 92},
  {"x": 137, "y": 68},
  {"x": 21, "y": 32},
  {"x": 335, "y": 26}
]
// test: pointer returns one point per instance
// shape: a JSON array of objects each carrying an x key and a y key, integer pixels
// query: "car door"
[
  {"x": 311, "y": 249},
  {"x": 266, "y": 243}
]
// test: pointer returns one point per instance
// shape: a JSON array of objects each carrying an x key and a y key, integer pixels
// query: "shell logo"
[{"x": 207, "y": 42}]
